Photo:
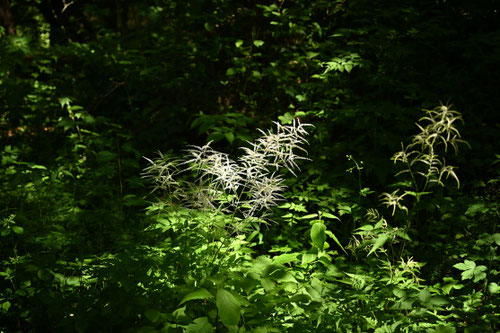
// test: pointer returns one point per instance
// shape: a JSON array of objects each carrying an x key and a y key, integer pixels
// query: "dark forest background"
[{"x": 87, "y": 88}]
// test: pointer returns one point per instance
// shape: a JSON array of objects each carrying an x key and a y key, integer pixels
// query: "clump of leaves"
[{"x": 422, "y": 159}]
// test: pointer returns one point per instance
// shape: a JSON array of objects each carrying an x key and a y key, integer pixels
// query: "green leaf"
[
  {"x": 229, "y": 137},
  {"x": 201, "y": 293},
  {"x": 308, "y": 258},
  {"x": 496, "y": 238},
  {"x": 308, "y": 216},
  {"x": 318, "y": 235},
  {"x": 332, "y": 235},
  {"x": 451, "y": 284},
  {"x": 285, "y": 258},
  {"x": 152, "y": 315},
  {"x": 17, "y": 229},
  {"x": 424, "y": 296},
  {"x": 466, "y": 265},
  {"x": 229, "y": 307},
  {"x": 493, "y": 288},
  {"x": 477, "y": 208},
  {"x": 287, "y": 118},
  {"x": 439, "y": 301},
  {"x": 200, "y": 325},
  {"x": 480, "y": 273},
  {"x": 285, "y": 277},
  {"x": 380, "y": 241},
  {"x": 470, "y": 270},
  {"x": 330, "y": 216},
  {"x": 258, "y": 43},
  {"x": 444, "y": 329},
  {"x": 6, "y": 305}
]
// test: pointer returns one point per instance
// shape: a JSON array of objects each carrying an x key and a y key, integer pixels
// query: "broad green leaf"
[
  {"x": 258, "y": 43},
  {"x": 285, "y": 119},
  {"x": 229, "y": 137},
  {"x": 200, "y": 325},
  {"x": 476, "y": 208},
  {"x": 286, "y": 277},
  {"x": 496, "y": 238},
  {"x": 480, "y": 273},
  {"x": 439, "y": 301},
  {"x": 424, "y": 296},
  {"x": 493, "y": 288},
  {"x": 318, "y": 235},
  {"x": 17, "y": 229},
  {"x": 451, "y": 284},
  {"x": 366, "y": 227},
  {"x": 152, "y": 315},
  {"x": 268, "y": 284},
  {"x": 6, "y": 305},
  {"x": 330, "y": 216},
  {"x": 285, "y": 258},
  {"x": 229, "y": 307},
  {"x": 466, "y": 265},
  {"x": 308, "y": 257},
  {"x": 201, "y": 293}
]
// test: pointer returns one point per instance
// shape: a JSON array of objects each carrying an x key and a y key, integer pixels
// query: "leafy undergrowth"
[
  {"x": 246, "y": 241},
  {"x": 220, "y": 265}
]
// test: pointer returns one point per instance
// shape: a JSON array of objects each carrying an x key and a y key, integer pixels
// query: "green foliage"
[{"x": 88, "y": 87}]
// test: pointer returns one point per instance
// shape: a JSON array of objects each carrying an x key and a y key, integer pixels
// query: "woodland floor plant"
[
  {"x": 422, "y": 159},
  {"x": 224, "y": 200},
  {"x": 245, "y": 188}
]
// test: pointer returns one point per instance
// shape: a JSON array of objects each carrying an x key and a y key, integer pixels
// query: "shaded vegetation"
[{"x": 92, "y": 238}]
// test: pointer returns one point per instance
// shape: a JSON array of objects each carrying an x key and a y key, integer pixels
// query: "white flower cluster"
[{"x": 247, "y": 187}]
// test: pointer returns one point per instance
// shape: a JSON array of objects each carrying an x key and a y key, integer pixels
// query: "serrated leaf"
[
  {"x": 201, "y": 293},
  {"x": 480, "y": 273},
  {"x": 318, "y": 235},
  {"x": 229, "y": 308},
  {"x": 466, "y": 265}
]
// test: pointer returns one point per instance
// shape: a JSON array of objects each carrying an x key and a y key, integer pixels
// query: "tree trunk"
[{"x": 6, "y": 17}]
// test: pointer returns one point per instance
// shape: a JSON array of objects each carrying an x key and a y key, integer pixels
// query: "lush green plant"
[{"x": 88, "y": 87}]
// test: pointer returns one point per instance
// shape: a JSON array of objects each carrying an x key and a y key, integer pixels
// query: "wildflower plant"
[
  {"x": 245, "y": 188},
  {"x": 422, "y": 158}
]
